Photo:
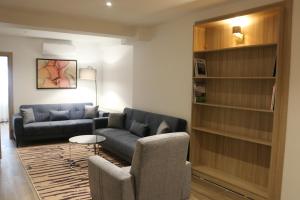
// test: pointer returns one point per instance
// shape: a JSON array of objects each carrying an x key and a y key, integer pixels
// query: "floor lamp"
[{"x": 90, "y": 74}]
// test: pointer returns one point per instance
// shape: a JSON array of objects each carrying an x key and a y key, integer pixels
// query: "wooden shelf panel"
[
  {"x": 235, "y": 107},
  {"x": 232, "y": 135},
  {"x": 237, "y": 183},
  {"x": 236, "y": 48},
  {"x": 238, "y": 78}
]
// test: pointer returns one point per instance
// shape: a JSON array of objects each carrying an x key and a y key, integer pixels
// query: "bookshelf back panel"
[
  {"x": 245, "y": 93},
  {"x": 254, "y": 61},
  {"x": 260, "y": 30},
  {"x": 256, "y": 125},
  {"x": 248, "y": 161}
]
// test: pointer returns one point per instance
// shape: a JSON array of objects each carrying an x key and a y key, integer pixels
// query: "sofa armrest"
[
  {"x": 18, "y": 124},
  {"x": 18, "y": 128},
  {"x": 103, "y": 113},
  {"x": 100, "y": 122},
  {"x": 186, "y": 189},
  {"x": 109, "y": 182}
]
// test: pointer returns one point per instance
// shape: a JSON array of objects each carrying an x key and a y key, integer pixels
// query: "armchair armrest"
[
  {"x": 100, "y": 122},
  {"x": 18, "y": 127},
  {"x": 109, "y": 182}
]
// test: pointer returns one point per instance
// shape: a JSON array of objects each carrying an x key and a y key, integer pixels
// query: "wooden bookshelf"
[
  {"x": 253, "y": 191},
  {"x": 232, "y": 135},
  {"x": 238, "y": 78},
  {"x": 235, "y": 107},
  {"x": 235, "y": 48},
  {"x": 234, "y": 118}
]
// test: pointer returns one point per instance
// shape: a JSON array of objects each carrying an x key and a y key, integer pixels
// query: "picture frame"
[
  {"x": 200, "y": 92},
  {"x": 200, "y": 68},
  {"x": 56, "y": 73},
  {"x": 273, "y": 97}
]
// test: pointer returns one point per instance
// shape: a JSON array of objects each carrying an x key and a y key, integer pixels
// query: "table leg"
[
  {"x": 71, "y": 162},
  {"x": 70, "y": 154},
  {"x": 95, "y": 149}
]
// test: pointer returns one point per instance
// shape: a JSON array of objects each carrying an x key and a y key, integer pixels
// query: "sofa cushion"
[
  {"x": 42, "y": 128},
  {"x": 28, "y": 115},
  {"x": 163, "y": 128},
  {"x": 139, "y": 129},
  {"x": 119, "y": 141},
  {"x": 116, "y": 120},
  {"x": 153, "y": 120},
  {"x": 41, "y": 111},
  {"x": 90, "y": 112},
  {"x": 60, "y": 115},
  {"x": 66, "y": 128}
]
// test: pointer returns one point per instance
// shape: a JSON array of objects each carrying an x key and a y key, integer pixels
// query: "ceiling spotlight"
[{"x": 108, "y": 3}]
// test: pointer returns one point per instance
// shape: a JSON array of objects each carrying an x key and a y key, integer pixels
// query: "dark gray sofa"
[
  {"x": 122, "y": 142},
  {"x": 43, "y": 128}
]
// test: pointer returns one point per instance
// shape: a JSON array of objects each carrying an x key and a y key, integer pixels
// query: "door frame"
[{"x": 9, "y": 56}]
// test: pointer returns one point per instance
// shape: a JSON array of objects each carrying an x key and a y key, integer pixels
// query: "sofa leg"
[{"x": 18, "y": 144}]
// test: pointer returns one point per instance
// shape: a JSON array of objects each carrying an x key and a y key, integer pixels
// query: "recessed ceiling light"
[{"x": 108, "y": 3}]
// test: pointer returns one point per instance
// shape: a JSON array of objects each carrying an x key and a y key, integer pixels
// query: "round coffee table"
[{"x": 85, "y": 140}]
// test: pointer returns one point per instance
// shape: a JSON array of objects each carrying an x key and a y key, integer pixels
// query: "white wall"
[
  {"x": 163, "y": 67},
  {"x": 113, "y": 62},
  {"x": 25, "y": 51},
  {"x": 116, "y": 90},
  {"x": 291, "y": 174},
  {"x": 162, "y": 83}
]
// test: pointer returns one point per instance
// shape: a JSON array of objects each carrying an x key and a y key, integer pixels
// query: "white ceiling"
[
  {"x": 129, "y": 12},
  {"x": 23, "y": 31}
]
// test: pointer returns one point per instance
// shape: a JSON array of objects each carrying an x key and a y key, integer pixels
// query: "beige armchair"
[{"x": 159, "y": 171}]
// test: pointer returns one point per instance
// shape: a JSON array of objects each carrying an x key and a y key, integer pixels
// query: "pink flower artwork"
[{"x": 55, "y": 74}]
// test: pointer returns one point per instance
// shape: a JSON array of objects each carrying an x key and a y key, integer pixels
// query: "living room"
[{"x": 140, "y": 56}]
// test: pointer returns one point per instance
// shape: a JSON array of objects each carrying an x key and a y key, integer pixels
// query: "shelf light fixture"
[
  {"x": 237, "y": 24},
  {"x": 237, "y": 33},
  {"x": 108, "y": 3}
]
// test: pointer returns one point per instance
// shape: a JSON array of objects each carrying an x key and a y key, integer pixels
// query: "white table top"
[{"x": 87, "y": 139}]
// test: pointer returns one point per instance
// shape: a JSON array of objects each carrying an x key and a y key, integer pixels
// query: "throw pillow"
[
  {"x": 163, "y": 128},
  {"x": 28, "y": 115},
  {"x": 139, "y": 129},
  {"x": 116, "y": 120},
  {"x": 56, "y": 115},
  {"x": 90, "y": 112}
]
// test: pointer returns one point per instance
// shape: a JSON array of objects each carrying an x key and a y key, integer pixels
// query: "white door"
[{"x": 4, "y": 116}]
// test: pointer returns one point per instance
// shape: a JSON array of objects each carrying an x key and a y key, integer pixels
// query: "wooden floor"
[{"x": 14, "y": 182}]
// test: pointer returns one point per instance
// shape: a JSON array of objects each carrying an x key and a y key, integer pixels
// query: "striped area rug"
[{"x": 50, "y": 172}]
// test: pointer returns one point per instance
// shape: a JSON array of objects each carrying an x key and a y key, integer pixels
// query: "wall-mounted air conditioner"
[{"x": 58, "y": 49}]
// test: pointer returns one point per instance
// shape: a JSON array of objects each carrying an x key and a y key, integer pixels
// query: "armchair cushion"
[{"x": 109, "y": 182}]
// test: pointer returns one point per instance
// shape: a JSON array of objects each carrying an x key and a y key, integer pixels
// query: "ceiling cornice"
[{"x": 53, "y": 21}]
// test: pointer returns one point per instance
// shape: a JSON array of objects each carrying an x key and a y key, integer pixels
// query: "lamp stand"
[{"x": 96, "y": 92}]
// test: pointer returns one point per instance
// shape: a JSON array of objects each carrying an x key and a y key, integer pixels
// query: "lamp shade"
[{"x": 87, "y": 73}]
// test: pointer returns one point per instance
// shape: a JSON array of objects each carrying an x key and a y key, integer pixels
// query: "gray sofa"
[
  {"x": 122, "y": 142},
  {"x": 43, "y": 128}
]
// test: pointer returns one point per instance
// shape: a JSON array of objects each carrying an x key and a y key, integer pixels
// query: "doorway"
[{"x": 6, "y": 90}]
